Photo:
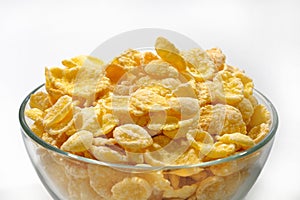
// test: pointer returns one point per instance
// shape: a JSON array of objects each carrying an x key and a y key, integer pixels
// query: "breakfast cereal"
[{"x": 163, "y": 108}]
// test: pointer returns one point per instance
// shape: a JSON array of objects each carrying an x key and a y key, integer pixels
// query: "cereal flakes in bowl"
[{"x": 156, "y": 123}]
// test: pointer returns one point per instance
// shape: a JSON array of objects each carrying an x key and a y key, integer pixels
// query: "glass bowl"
[{"x": 68, "y": 176}]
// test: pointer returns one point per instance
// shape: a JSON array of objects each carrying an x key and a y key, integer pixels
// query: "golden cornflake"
[
  {"x": 260, "y": 115},
  {"x": 217, "y": 56},
  {"x": 228, "y": 88},
  {"x": 246, "y": 109},
  {"x": 78, "y": 142},
  {"x": 145, "y": 99},
  {"x": 221, "y": 150},
  {"x": 237, "y": 138},
  {"x": 35, "y": 114},
  {"x": 132, "y": 137},
  {"x": 199, "y": 64},
  {"x": 259, "y": 132},
  {"x": 160, "y": 69},
  {"x": 221, "y": 119},
  {"x": 134, "y": 188},
  {"x": 39, "y": 100},
  {"x": 58, "y": 111},
  {"x": 168, "y": 52}
]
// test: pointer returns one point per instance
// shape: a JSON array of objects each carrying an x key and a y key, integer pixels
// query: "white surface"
[{"x": 261, "y": 37}]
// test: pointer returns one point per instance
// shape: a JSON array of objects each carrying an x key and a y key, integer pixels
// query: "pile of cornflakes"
[{"x": 164, "y": 107}]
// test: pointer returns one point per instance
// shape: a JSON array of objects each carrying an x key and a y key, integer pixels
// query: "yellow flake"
[
  {"x": 39, "y": 100},
  {"x": 169, "y": 53},
  {"x": 228, "y": 88},
  {"x": 199, "y": 64},
  {"x": 78, "y": 142},
  {"x": 259, "y": 132},
  {"x": 221, "y": 150},
  {"x": 107, "y": 154},
  {"x": 217, "y": 56},
  {"x": 160, "y": 69},
  {"x": 132, "y": 137},
  {"x": 260, "y": 115},
  {"x": 58, "y": 111},
  {"x": 246, "y": 109},
  {"x": 221, "y": 119},
  {"x": 247, "y": 82},
  {"x": 35, "y": 114},
  {"x": 238, "y": 139},
  {"x": 134, "y": 188}
]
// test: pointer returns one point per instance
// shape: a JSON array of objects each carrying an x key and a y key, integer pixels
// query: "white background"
[{"x": 261, "y": 37}]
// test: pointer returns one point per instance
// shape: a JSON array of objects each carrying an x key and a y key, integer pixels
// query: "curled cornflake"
[
  {"x": 129, "y": 59},
  {"x": 107, "y": 154},
  {"x": 82, "y": 60},
  {"x": 58, "y": 111},
  {"x": 78, "y": 142},
  {"x": 161, "y": 69},
  {"x": 159, "y": 121},
  {"x": 38, "y": 128},
  {"x": 60, "y": 82},
  {"x": 186, "y": 89},
  {"x": 90, "y": 85},
  {"x": 134, "y": 188},
  {"x": 64, "y": 126},
  {"x": 220, "y": 119},
  {"x": 247, "y": 82},
  {"x": 148, "y": 57},
  {"x": 211, "y": 188},
  {"x": 238, "y": 139},
  {"x": 114, "y": 72},
  {"x": 228, "y": 88},
  {"x": 260, "y": 115},
  {"x": 87, "y": 119},
  {"x": 183, "y": 127},
  {"x": 40, "y": 100},
  {"x": 201, "y": 141},
  {"x": 169, "y": 53},
  {"x": 35, "y": 114},
  {"x": 145, "y": 99},
  {"x": 246, "y": 109},
  {"x": 158, "y": 156},
  {"x": 217, "y": 56},
  {"x": 199, "y": 64},
  {"x": 132, "y": 137},
  {"x": 187, "y": 158},
  {"x": 259, "y": 132},
  {"x": 184, "y": 107},
  {"x": 221, "y": 150}
]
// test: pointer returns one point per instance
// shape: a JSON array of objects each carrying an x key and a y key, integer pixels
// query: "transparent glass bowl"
[{"x": 67, "y": 176}]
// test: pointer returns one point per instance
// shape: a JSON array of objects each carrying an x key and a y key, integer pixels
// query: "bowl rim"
[{"x": 273, "y": 129}]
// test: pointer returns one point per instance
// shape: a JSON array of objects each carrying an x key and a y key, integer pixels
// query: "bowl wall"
[{"x": 67, "y": 176}]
